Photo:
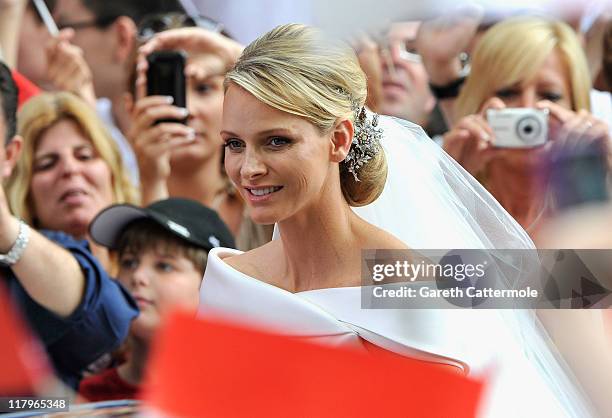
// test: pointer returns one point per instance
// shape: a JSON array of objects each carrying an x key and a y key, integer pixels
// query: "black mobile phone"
[{"x": 166, "y": 77}]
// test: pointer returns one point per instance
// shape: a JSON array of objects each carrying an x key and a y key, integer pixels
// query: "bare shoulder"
[
  {"x": 374, "y": 237},
  {"x": 257, "y": 263}
]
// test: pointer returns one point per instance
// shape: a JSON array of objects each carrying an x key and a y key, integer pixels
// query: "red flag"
[
  {"x": 203, "y": 368},
  {"x": 23, "y": 363},
  {"x": 27, "y": 89}
]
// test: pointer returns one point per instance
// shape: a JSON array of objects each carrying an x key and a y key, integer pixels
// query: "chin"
[
  {"x": 78, "y": 227},
  {"x": 264, "y": 219}
]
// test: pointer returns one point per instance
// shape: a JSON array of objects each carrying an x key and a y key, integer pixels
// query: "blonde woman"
[
  {"x": 524, "y": 62},
  {"x": 306, "y": 155},
  {"x": 69, "y": 169}
]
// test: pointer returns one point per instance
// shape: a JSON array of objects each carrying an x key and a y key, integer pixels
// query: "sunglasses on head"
[{"x": 155, "y": 23}]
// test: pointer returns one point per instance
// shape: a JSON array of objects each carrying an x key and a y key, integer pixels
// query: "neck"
[
  {"x": 319, "y": 244},
  {"x": 120, "y": 114},
  {"x": 202, "y": 184},
  {"x": 132, "y": 371},
  {"x": 521, "y": 193}
]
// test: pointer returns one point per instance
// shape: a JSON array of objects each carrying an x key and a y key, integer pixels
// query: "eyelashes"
[
  {"x": 545, "y": 95},
  {"x": 274, "y": 142}
]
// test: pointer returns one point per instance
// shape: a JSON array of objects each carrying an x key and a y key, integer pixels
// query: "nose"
[
  {"x": 69, "y": 165},
  {"x": 252, "y": 165},
  {"x": 528, "y": 98},
  {"x": 389, "y": 57},
  {"x": 139, "y": 277}
]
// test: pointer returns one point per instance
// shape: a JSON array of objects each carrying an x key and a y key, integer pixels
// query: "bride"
[{"x": 306, "y": 155}]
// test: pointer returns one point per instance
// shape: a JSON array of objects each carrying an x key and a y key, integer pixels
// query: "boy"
[{"x": 162, "y": 252}]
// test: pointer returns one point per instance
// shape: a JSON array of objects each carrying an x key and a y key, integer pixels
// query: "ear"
[
  {"x": 341, "y": 140},
  {"x": 12, "y": 151},
  {"x": 126, "y": 38}
]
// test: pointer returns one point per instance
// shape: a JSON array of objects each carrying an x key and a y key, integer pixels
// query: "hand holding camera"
[{"x": 469, "y": 142}]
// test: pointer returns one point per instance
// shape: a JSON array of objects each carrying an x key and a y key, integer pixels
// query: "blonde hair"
[
  {"x": 40, "y": 113},
  {"x": 513, "y": 51},
  {"x": 296, "y": 69}
]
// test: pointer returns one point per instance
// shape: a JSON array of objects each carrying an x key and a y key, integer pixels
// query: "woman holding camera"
[{"x": 530, "y": 63}]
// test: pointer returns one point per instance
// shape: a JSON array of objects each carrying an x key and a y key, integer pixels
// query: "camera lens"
[{"x": 528, "y": 129}]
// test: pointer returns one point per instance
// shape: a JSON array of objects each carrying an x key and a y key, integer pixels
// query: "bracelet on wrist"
[{"x": 19, "y": 246}]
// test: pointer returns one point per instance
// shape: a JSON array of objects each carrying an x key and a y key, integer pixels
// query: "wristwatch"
[{"x": 16, "y": 251}]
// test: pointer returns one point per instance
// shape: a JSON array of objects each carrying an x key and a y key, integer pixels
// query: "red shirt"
[{"x": 107, "y": 386}]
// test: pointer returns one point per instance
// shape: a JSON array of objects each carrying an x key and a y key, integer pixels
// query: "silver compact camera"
[{"x": 520, "y": 127}]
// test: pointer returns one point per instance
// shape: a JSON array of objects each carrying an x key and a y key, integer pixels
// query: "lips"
[
  {"x": 71, "y": 194},
  {"x": 393, "y": 85},
  {"x": 264, "y": 191},
  {"x": 260, "y": 193},
  {"x": 140, "y": 300}
]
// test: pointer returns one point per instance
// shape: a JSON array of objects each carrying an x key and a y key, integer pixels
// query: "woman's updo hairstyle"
[{"x": 296, "y": 69}]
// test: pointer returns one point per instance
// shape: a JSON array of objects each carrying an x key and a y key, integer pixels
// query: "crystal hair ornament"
[{"x": 365, "y": 144}]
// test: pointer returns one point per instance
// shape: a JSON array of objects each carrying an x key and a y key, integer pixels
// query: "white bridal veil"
[{"x": 431, "y": 202}]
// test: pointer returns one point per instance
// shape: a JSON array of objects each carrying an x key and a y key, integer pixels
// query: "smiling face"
[
  {"x": 279, "y": 162},
  {"x": 551, "y": 82},
  {"x": 70, "y": 182}
]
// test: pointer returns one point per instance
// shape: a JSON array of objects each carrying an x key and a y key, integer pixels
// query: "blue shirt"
[{"x": 98, "y": 325}]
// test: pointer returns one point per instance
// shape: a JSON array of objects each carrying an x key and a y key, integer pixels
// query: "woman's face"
[
  {"x": 279, "y": 162},
  {"x": 551, "y": 82},
  {"x": 70, "y": 182},
  {"x": 205, "y": 105}
]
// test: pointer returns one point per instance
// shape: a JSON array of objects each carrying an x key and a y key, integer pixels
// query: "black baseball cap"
[{"x": 185, "y": 218}]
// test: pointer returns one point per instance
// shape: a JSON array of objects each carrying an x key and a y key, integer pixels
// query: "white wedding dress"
[{"x": 428, "y": 202}]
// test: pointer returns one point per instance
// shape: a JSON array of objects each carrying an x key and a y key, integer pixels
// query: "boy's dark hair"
[
  {"x": 10, "y": 94},
  {"x": 135, "y": 9},
  {"x": 146, "y": 234}
]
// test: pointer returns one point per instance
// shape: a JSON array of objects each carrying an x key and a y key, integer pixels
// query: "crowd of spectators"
[{"x": 112, "y": 198}]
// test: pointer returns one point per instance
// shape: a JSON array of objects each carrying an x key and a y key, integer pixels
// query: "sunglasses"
[
  {"x": 155, "y": 23},
  {"x": 100, "y": 22}
]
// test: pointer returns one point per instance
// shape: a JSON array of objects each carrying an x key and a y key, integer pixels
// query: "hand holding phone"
[{"x": 166, "y": 77}]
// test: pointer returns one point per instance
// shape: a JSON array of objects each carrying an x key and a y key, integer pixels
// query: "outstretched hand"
[
  {"x": 67, "y": 69},
  {"x": 194, "y": 41},
  {"x": 440, "y": 41}
]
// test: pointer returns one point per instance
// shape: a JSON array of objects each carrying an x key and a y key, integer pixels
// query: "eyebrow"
[
  {"x": 267, "y": 132},
  {"x": 75, "y": 148}
]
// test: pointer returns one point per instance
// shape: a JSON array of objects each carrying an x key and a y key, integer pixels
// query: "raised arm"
[{"x": 49, "y": 274}]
